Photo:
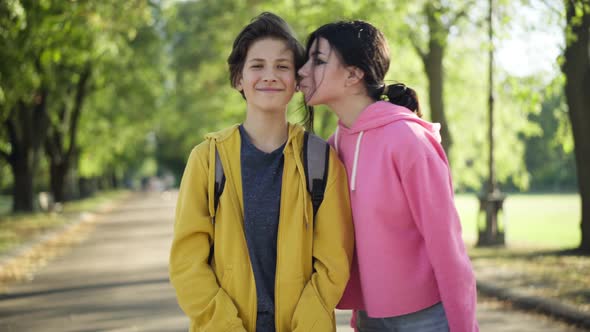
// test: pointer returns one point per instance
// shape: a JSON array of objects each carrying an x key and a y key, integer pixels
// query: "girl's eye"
[
  {"x": 318, "y": 61},
  {"x": 256, "y": 66},
  {"x": 284, "y": 67}
]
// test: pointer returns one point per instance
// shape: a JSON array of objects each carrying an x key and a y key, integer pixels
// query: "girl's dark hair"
[
  {"x": 362, "y": 45},
  {"x": 266, "y": 25}
]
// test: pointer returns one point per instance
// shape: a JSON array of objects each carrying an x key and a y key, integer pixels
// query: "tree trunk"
[
  {"x": 27, "y": 128},
  {"x": 433, "y": 63},
  {"x": 87, "y": 187},
  {"x": 23, "y": 199},
  {"x": 58, "y": 172},
  {"x": 115, "y": 182},
  {"x": 577, "y": 71},
  {"x": 61, "y": 156}
]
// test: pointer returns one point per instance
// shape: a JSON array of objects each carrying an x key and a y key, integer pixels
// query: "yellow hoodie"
[{"x": 313, "y": 258}]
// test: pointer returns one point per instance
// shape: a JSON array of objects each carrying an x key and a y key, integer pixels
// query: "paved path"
[{"x": 117, "y": 281}]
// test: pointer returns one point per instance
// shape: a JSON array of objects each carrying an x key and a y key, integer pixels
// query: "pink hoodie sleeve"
[{"x": 428, "y": 188}]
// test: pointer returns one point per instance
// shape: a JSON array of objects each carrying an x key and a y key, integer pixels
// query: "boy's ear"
[
  {"x": 355, "y": 75},
  {"x": 239, "y": 86}
]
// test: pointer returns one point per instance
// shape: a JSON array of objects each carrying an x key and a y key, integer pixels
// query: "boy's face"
[{"x": 268, "y": 77}]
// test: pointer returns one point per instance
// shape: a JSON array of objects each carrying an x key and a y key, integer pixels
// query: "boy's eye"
[{"x": 284, "y": 67}]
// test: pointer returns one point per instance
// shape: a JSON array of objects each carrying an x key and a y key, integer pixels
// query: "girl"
[
  {"x": 259, "y": 262},
  {"x": 410, "y": 270}
]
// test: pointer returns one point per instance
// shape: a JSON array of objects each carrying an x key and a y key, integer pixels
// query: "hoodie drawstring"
[{"x": 356, "y": 159}]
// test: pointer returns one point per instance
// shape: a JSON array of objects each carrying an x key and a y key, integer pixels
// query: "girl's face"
[
  {"x": 323, "y": 77},
  {"x": 268, "y": 77}
]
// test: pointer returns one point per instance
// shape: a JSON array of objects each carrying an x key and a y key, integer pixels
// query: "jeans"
[{"x": 432, "y": 319}]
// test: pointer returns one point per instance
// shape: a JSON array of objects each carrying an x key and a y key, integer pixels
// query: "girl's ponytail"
[{"x": 402, "y": 95}]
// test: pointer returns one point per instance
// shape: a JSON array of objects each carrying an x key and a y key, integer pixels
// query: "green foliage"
[
  {"x": 5, "y": 177},
  {"x": 581, "y": 8},
  {"x": 12, "y": 19},
  {"x": 128, "y": 99},
  {"x": 200, "y": 98},
  {"x": 549, "y": 156},
  {"x": 119, "y": 43},
  {"x": 160, "y": 81}
]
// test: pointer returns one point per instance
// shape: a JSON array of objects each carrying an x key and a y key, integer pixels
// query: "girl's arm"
[
  {"x": 429, "y": 192},
  {"x": 197, "y": 290},
  {"x": 333, "y": 243}
]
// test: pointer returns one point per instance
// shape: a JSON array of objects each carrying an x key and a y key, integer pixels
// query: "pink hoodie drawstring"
[
  {"x": 356, "y": 155},
  {"x": 356, "y": 159}
]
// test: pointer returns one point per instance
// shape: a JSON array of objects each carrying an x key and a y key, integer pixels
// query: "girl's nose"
[{"x": 303, "y": 70}]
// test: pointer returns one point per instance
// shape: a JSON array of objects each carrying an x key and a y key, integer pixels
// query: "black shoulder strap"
[
  {"x": 316, "y": 156},
  {"x": 219, "y": 182},
  {"x": 219, "y": 185}
]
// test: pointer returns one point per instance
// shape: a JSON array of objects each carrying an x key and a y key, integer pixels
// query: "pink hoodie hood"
[{"x": 377, "y": 115}]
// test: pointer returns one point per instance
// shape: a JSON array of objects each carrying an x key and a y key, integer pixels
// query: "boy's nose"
[{"x": 270, "y": 75}]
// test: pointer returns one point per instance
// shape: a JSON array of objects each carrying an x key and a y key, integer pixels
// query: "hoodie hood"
[
  {"x": 295, "y": 132},
  {"x": 382, "y": 113},
  {"x": 377, "y": 115}
]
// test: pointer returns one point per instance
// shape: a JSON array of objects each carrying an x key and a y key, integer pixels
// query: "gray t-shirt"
[{"x": 262, "y": 175}]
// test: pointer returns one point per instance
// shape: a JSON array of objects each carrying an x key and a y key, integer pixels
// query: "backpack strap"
[
  {"x": 217, "y": 191},
  {"x": 219, "y": 183},
  {"x": 316, "y": 156}
]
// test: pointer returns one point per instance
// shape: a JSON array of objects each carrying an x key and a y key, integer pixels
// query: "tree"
[
  {"x": 64, "y": 131},
  {"x": 61, "y": 49},
  {"x": 97, "y": 34},
  {"x": 127, "y": 104},
  {"x": 25, "y": 94},
  {"x": 576, "y": 68},
  {"x": 440, "y": 17},
  {"x": 549, "y": 153}
]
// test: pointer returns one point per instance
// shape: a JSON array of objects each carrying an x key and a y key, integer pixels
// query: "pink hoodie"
[{"x": 409, "y": 252}]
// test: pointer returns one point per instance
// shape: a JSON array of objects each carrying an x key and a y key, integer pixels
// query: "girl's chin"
[{"x": 309, "y": 101}]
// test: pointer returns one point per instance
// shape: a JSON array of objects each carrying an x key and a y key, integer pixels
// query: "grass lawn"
[
  {"x": 540, "y": 228},
  {"x": 548, "y": 221}
]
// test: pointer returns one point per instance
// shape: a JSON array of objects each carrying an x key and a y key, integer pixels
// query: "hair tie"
[{"x": 385, "y": 89}]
